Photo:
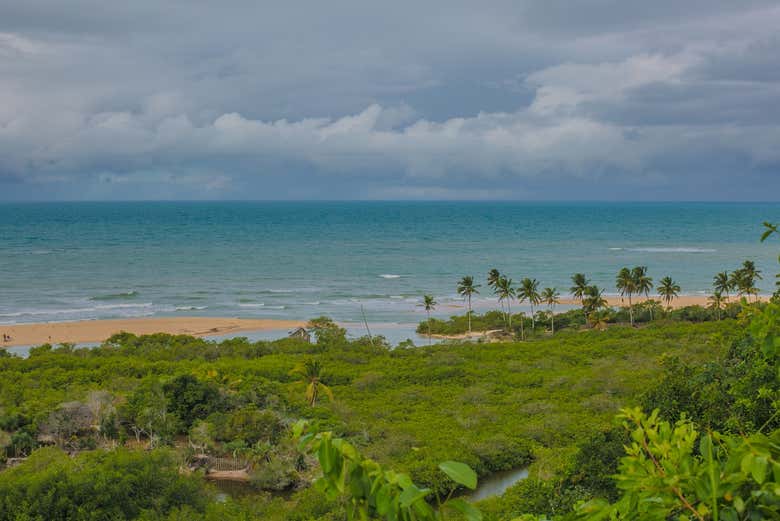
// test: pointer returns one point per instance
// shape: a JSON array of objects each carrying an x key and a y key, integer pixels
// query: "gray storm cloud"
[{"x": 525, "y": 100}]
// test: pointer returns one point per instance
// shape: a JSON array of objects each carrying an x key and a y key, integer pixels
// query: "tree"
[
  {"x": 493, "y": 277},
  {"x": 68, "y": 420},
  {"x": 625, "y": 282},
  {"x": 593, "y": 302},
  {"x": 716, "y": 301},
  {"x": 190, "y": 399},
  {"x": 722, "y": 284},
  {"x": 529, "y": 290},
  {"x": 310, "y": 373},
  {"x": 466, "y": 288},
  {"x": 749, "y": 276},
  {"x": 668, "y": 290},
  {"x": 429, "y": 303},
  {"x": 644, "y": 283},
  {"x": 506, "y": 292},
  {"x": 550, "y": 296},
  {"x": 672, "y": 471},
  {"x": 744, "y": 279},
  {"x": 579, "y": 285},
  {"x": 327, "y": 332},
  {"x": 146, "y": 411}
]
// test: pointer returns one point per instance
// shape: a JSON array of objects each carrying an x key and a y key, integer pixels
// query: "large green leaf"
[
  {"x": 460, "y": 473},
  {"x": 469, "y": 511}
]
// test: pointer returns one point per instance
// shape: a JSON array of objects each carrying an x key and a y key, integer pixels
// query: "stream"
[{"x": 496, "y": 484}]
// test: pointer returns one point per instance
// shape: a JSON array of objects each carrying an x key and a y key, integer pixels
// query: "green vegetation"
[
  {"x": 678, "y": 419},
  {"x": 493, "y": 407}
]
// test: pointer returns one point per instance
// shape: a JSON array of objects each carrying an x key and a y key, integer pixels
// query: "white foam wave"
[
  {"x": 252, "y": 305},
  {"x": 681, "y": 249},
  {"x": 74, "y": 311},
  {"x": 190, "y": 308},
  {"x": 390, "y": 276}
]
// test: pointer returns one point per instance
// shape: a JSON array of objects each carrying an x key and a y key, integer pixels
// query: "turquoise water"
[{"x": 70, "y": 261}]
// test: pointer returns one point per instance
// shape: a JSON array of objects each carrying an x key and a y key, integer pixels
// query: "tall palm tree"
[
  {"x": 466, "y": 288},
  {"x": 506, "y": 292},
  {"x": 529, "y": 290},
  {"x": 644, "y": 283},
  {"x": 716, "y": 302},
  {"x": 722, "y": 284},
  {"x": 749, "y": 276},
  {"x": 626, "y": 284},
  {"x": 310, "y": 372},
  {"x": 550, "y": 296},
  {"x": 579, "y": 284},
  {"x": 429, "y": 303},
  {"x": 668, "y": 290},
  {"x": 493, "y": 277},
  {"x": 593, "y": 301}
]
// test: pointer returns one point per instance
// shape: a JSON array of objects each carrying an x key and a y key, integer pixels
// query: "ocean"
[{"x": 297, "y": 260}]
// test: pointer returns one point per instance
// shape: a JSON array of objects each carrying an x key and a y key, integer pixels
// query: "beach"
[
  {"x": 91, "y": 331},
  {"x": 88, "y": 331}
]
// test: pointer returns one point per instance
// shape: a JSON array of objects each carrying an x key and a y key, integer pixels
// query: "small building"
[{"x": 301, "y": 333}]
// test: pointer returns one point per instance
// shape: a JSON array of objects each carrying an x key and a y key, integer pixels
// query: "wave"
[
  {"x": 74, "y": 311},
  {"x": 116, "y": 296},
  {"x": 190, "y": 308},
  {"x": 314, "y": 303},
  {"x": 390, "y": 276},
  {"x": 682, "y": 249},
  {"x": 251, "y": 305}
]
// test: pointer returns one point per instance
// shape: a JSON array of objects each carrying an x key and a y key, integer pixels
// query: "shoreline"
[
  {"x": 98, "y": 330},
  {"x": 88, "y": 331}
]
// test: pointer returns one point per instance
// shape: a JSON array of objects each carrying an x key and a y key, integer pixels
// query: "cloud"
[{"x": 597, "y": 100}]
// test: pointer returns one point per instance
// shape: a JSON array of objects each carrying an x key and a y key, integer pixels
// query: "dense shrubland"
[{"x": 491, "y": 406}]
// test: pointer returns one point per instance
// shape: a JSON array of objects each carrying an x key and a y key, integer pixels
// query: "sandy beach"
[{"x": 99, "y": 330}]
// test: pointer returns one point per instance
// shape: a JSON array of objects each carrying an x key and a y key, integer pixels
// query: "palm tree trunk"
[
  {"x": 522, "y": 327},
  {"x": 630, "y": 310},
  {"x": 533, "y": 320},
  {"x": 552, "y": 320},
  {"x": 429, "y": 327},
  {"x": 469, "y": 313}
]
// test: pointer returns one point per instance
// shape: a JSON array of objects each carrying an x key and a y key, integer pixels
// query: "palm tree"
[
  {"x": 716, "y": 302},
  {"x": 749, "y": 275},
  {"x": 626, "y": 284},
  {"x": 466, "y": 288},
  {"x": 668, "y": 289},
  {"x": 429, "y": 303},
  {"x": 550, "y": 297},
  {"x": 493, "y": 277},
  {"x": 529, "y": 290},
  {"x": 593, "y": 301},
  {"x": 579, "y": 284},
  {"x": 310, "y": 372},
  {"x": 506, "y": 292},
  {"x": 722, "y": 284},
  {"x": 643, "y": 283}
]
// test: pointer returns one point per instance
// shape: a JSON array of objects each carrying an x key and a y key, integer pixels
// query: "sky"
[{"x": 520, "y": 100}]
